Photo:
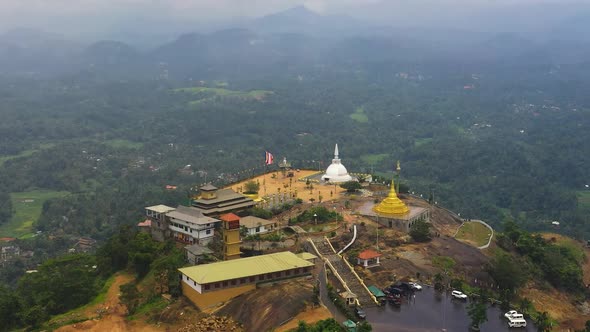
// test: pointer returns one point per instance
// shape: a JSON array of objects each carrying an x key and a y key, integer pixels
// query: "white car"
[
  {"x": 458, "y": 295},
  {"x": 415, "y": 286},
  {"x": 510, "y": 313}
]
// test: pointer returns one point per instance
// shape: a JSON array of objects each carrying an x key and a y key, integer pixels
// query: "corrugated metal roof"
[
  {"x": 160, "y": 208},
  {"x": 191, "y": 215},
  {"x": 251, "y": 222},
  {"x": 306, "y": 255},
  {"x": 244, "y": 267},
  {"x": 376, "y": 291}
]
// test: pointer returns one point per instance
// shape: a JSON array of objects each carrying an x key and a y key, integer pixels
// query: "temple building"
[
  {"x": 392, "y": 212},
  {"x": 336, "y": 172},
  {"x": 213, "y": 201}
]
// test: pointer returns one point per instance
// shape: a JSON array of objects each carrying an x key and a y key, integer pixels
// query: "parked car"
[
  {"x": 517, "y": 323},
  {"x": 360, "y": 313},
  {"x": 415, "y": 286},
  {"x": 510, "y": 313},
  {"x": 458, "y": 295}
]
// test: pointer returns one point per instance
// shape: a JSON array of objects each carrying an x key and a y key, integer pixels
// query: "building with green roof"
[{"x": 208, "y": 284}]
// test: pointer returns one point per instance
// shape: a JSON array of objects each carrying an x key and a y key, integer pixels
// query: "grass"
[
  {"x": 583, "y": 200},
  {"x": 27, "y": 208},
  {"x": 210, "y": 93},
  {"x": 421, "y": 141},
  {"x": 157, "y": 304},
  {"x": 475, "y": 233},
  {"x": 359, "y": 115},
  {"x": 123, "y": 144},
  {"x": 373, "y": 159},
  {"x": 27, "y": 153}
]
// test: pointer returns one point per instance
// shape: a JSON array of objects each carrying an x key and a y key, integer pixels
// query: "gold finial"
[{"x": 398, "y": 168}]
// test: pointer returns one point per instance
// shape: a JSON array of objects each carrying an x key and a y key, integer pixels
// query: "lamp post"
[{"x": 315, "y": 218}]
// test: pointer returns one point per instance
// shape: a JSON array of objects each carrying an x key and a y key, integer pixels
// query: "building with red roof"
[{"x": 368, "y": 258}]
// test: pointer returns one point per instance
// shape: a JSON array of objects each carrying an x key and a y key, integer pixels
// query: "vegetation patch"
[
  {"x": 123, "y": 144},
  {"x": 475, "y": 233},
  {"x": 422, "y": 141},
  {"x": 26, "y": 153},
  {"x": 583, "y": 200},
  {"x": 211, "y": 93},
  {"x": 373, "y": 159},
  {"x": 27, "y": 209},
  {"x": 359, "y": 115}
]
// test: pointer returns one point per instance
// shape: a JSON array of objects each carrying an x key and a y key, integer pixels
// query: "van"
[
  {"x": 517, "y": 323},
  {"x": 516, "y": 316}
]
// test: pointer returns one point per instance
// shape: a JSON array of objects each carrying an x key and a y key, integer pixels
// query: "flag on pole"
[{"x": 269, "y": 158}]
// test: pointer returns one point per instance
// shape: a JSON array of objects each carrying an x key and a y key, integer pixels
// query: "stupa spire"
[
  {"x": 391, "y": 205},
  {"x": 336, "y": 151}
]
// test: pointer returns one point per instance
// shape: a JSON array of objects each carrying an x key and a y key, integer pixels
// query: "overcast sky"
[{"x": 72, "y": 16}]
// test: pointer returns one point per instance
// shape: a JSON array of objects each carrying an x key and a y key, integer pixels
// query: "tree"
[
  {"x": 251, "y": 187},
  {"x": 477, "y": 311},
  {"x": 543, "y": 322},
  {"x": 507, "y": 272},
  {"x": 129, "y": 297},
  {"x": 420, "y": 231},
  {"x": 351, "y": 186},
  {"x": 438, "y": 281}
]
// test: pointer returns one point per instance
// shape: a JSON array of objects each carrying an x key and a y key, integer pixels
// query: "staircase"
[{"x": 352, "y": 282}]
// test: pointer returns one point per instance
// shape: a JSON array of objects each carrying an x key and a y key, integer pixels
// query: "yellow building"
[
  {"x": 231, "y": 236},
  {"x": 210, "y": 284}
]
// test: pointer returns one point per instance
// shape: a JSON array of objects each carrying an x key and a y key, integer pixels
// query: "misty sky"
[{"x": 74, "y": 17}]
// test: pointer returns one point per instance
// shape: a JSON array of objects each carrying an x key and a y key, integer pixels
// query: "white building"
[
  {"x": 256, "y": 225},
  {"x": 159, "y": 222},
  {"x": 336, "y": 172},
  {"x": 189, "y": 225}
]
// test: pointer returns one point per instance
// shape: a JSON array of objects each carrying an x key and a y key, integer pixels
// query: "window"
[
  {"x": 225, "y": 283},
  {"x": 261, "y": 277},
  {"x": 206, "y": 286},
  {"x": 296, "y": 270},
  {"x": 217, "y": 285},
  {"x": 252, "y": 279},
  {"x": 234, "y": 282},
  {"x": 194, "y": 282},
  {"x": 158, "y": 224},
  {"x": 288, "y": 272},
  {"x": 208, "y": 232}
]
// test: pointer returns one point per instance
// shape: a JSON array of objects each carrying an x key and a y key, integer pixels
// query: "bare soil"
[{"x": 310, "y": 316}]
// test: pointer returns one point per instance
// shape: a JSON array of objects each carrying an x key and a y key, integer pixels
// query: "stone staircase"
[{"x": 352, "y": 282}]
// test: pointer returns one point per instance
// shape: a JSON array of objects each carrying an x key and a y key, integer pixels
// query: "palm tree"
[{"x": 438, "y": 281}]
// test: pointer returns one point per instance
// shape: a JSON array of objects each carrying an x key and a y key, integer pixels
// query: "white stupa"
[{"x": 336, "y": 172}]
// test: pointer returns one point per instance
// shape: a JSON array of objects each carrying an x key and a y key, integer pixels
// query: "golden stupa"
[{"x": 391, "y": 205}]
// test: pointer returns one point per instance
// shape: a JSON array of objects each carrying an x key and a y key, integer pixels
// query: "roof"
[
  {"x": 145, "y": 223},
  {"x": 376, "y": 291},
  {"x": 208, "y": 187},
  {"x": 223, "y": 195},
  {"x": 244, "y": 267},
  {"x": 7, "y": 239},
  {"x": 229, "y": 217},
  {"x": 348, "y": 295},
  {"x": 349, "y": 323},
  {"x": 251, "y": 222},
  {"x": 191, "y": 215},
  {"x": 160, "y": 208},
  {"x": 197, "y": 249},
  {"x": 307, "y": 256},
  {"x": 368, "y": 254}
]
